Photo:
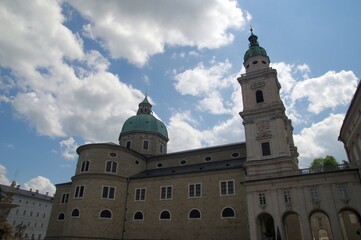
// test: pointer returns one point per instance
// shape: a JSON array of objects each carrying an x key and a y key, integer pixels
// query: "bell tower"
[{"x": 269, "y": 139}]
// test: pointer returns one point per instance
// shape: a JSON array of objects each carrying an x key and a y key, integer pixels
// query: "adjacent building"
[
  {"x": 33, "y": 212},
  {"x": 252, "y": 190}
]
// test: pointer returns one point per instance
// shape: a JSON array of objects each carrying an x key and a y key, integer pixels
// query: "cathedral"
[{"x": 249, "y": 190}]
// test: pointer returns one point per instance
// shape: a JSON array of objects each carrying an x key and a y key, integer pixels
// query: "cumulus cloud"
[
  {"x": 136, "y": 30},
  {"x": 327, "y": 91},
  {"x": 3, "y": 179},
  {"x": 42, "y": 184},
  {"x": 319, "y": 140}
]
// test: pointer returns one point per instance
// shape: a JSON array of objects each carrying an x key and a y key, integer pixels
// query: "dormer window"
[{"x": 259, "y": 96}]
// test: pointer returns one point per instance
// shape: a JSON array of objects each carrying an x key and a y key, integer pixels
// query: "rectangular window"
[
  {"x": 111, "y": 167},
  {"x": 145, "y": 144},
  {"x": 262, "y": 199},
  {"x": 108, "y": 192},
  {"x": 314, "y": 194},
  {"x": 166, "y": 192},
  {"x": 227, "y": 187},
  {"x": 64, "y": 198},
  {"x": 161, "y": 148},
  {"x": 84, "y": 166},
  {"x": 343, "y": 192},
  {"x": 287, "y": 196},
  {"x": 266, "y": 150},
  {"x": 79, "y": 191},
  {"x": 194, "y": 190},
  {"x": 129, "y": 144},
  {"x": 139, "y": 194}
]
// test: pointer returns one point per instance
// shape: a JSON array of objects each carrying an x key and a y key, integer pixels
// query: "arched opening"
[
  {"x": 61, "y": 216},
  {"x": 75, "y": 213},
  {"x": 350, "y": 224},
  {"x": 320, "y": 226},
  {"x": 164, "y": 215},
  {"x": 194, "y": 214},
  {"x": 292, "y": 226},
  {"x": 105, "y": 214},
  {"x": 266, "y": 227},
  {"x": 228, "y": 213},
  {"x": 138, "y": 216},
  {"x": 259, "y": 96}
]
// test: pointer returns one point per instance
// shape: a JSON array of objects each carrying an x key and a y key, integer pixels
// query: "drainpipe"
[{"x": 125, "y": 208}]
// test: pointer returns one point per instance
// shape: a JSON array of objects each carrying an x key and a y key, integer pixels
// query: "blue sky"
[{"x": 71, "y": 72}]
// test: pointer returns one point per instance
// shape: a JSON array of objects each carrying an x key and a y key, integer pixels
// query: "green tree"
[{"x": 328, "y": 161}]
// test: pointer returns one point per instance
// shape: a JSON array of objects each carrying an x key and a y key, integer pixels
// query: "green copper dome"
[
  {"x": 254, "y": 48},
  {"x": 144, "y": 121}
]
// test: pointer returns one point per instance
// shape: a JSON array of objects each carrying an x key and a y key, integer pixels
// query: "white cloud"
[
  {"x": 3, "y": 179},
  {"x": 136, "y": 30},
  {"x": 42, "y": 184},
  {"x": 327, "y": 91},
  {"x": 69, "y": 147},
  {"x": 319, "y": 140},
  {"x": 202, "y": 80}
]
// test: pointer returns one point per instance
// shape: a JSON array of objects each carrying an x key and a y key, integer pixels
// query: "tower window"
[
  {"x": 84, "y": 166},
  {"x": 259, "y": 96},
  {"x": 128, "y": 144},
  {"x": 266, "y": 150},
  {"x": 145, "y": 144}
]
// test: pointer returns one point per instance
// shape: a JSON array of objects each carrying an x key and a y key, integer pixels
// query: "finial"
[{"x": 251, "y": 30}]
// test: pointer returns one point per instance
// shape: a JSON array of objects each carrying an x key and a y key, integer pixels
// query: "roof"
[
  {"x": 196, "y": 168},
  {"x": 254, "y": 48},
  {"x": 144, "y": 121},
  {"x": 27, "y": 193}
]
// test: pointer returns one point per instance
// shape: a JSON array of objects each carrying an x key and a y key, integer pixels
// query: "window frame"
[
  {"x": 145, "y": 144},
  {"x": 60, "y": 214},
  {"x": 225, "y": 217},
  {"x": 194, "y": 193},
  {"x": 165, "y": 219},
  {"x": 287, "y": 196},
  {"x": 79, "y": 191},
  {"x": 227, "y": 191},
  {"x": 314, "y": 193},
  {"x": 72, "y": 212},
  {"x": 113, "y": 168},
  {"x": 166, "y": 194},
  {"x": 64, "y": 198},
  {"x": 108, "y": 192},
  {"x": 266, "y": 149},
  {"x": 343, "y": 191},
  {"x": 103, "y": 210},
  {"x": 142, "y": 194},
  {"x": 194, "y": 218},
  {"x": 138, "y": 220},
  {"x": 262, "y": 200},
  {"x": 84, "y": 167},
  {"x": 259, "y": 96}
]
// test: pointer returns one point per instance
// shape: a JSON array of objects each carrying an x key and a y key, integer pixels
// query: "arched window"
[
  {"x": 194, "y": 214},
  {"x": 228, "y": 213},
  {"x": 61, "y": 216},
  {"x": 75, "y": 213},
  {"x": 165, "y": 215},
  {"x": 138, "y": 216},
  {"x": 259, "y": 96},
  {"x": 105, "y": 214}
]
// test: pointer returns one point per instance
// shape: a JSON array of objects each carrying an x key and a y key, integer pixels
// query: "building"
[
  {"x": 33, "y": 211},
  {"x": 282, "y": 199},
  {"x": 252, "y": 190}
]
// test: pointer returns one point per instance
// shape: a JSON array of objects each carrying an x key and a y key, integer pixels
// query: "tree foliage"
[{"x": 328, "y": 161}]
